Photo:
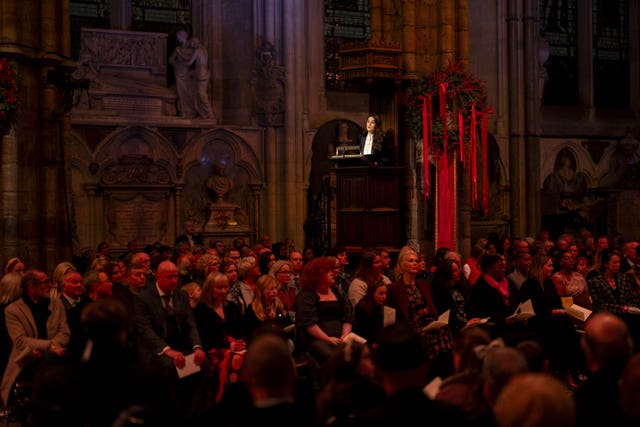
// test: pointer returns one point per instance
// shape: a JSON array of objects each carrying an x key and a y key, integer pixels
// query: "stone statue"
[
  {"x": 191, "y": 85},
  {"x": 219, "y": 182},
  {"x": 180, "y": 59},
  {"x": 202, "y": 75}
]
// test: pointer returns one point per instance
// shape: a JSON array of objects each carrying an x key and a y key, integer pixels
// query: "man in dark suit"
[
  {"x": 189, "y": 236},
  {"x": 166, "y": 333},
  {"x": 629, "y": 258}
]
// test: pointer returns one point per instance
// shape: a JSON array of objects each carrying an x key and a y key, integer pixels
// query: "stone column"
[
  {"x": 517, "y": 194},
  {"x": 532, "y": 104},
  {"x": 377, "y": 29},
  {"x": 9, "y": 197},
  {"x": 255, "y": 208},
  {"x": 36, "y": 36},
  {"x": 409, "y": 38},
  {"x": 294, "y": 146}
]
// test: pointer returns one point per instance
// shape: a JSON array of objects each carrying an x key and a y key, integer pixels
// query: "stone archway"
[
  {"x": 235, "y": 212},
  {"x": 124, "y": 189}
]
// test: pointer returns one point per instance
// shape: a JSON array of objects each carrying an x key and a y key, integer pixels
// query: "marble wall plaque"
[{"x": 139, "y": 216}]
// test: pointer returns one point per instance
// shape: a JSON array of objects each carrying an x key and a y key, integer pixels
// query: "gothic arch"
[
  {"x": 241, "y": 165},
  {"x": 325, "y": 137},
  {"x": 138, "y": 142}
]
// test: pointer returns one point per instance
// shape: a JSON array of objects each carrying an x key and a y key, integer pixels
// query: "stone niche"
[
  {"x": 137, "y": 170},
  {"x": 135, "y": 184}
]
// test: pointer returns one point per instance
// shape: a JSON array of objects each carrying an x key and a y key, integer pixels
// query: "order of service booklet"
[
  {"x": 442, "y": 321},
  {"x": 577, "y": 311},
  {"x": 524, "y": 311},
  {"x": 189, "y": 367}
]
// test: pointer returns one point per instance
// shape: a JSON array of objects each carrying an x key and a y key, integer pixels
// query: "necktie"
[{"x": 168, "y": 305}]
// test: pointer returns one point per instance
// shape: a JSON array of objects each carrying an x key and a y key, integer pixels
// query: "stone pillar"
[
  {"x": 377, "y": 29},
  {"x": 446, "y": 34},
  {"x": 255, "y": 208},
  {"x": 293, "y": 152},
  {"x": 36, "y": 35},
  {"x": 409, "y": 38},
  {"x": 532, "y": 104},
  {"x": 9, "y": 197},
  {"x": 517, "y": 194}
]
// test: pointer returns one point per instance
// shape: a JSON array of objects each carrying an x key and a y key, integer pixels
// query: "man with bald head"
[
  {"x": 606, "y": 345},
  {"x": 166, "y": 332}
]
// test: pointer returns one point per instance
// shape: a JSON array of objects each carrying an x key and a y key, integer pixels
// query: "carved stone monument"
[
  {"x": 223, "y": 214},
  {"x": 192, "y": 85},
  {"x": 123, "y": 73}
]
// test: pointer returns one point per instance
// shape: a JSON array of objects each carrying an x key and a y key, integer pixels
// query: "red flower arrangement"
[
  {"x": 446, "y": 109},
  {"x": 444, "y": 96},
  {"x": 9, "y": 97}
]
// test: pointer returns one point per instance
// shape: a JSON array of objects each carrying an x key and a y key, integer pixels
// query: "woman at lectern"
[{"x": 372, "y": 139}]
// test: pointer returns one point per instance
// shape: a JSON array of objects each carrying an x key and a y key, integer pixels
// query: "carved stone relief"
[
  {"x": 268, "y": 87},
  {"x": 122, "y": 72},
  {"x": 142, "y": 216}
]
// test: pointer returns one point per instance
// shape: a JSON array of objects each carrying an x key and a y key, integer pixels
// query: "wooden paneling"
[{"x": 368, "y": 207}]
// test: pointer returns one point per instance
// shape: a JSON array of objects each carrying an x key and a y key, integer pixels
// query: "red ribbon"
[
  {"x": 426, "y": 137},
  {"x": 485, "y": 168},
  {"x": 442, "y": 95},
  {"x": 473, "y": 171},
  {"x": 461, "y": 136}
]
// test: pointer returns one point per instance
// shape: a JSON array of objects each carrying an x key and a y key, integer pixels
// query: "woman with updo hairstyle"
[
  {"x": 14, "y": 265},
  {"x": 412, "y": 298},
  {"x": 323, "y": 313},
  {"x": 242, "y": 292},
  {"x": 206, "y": 264},
  {"x": 58, "y": 276}
]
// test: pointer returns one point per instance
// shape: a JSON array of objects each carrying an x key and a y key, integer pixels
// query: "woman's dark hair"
[
  {"x": 488, "y": 261},
  {"x": 606, "y": 255},
  {"x": 366, "y": 272},
  {"x": 263, "y": 261}
]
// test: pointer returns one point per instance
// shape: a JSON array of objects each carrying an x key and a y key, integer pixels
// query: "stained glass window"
[
  {"x": 163, "y": 16},
  {"x": 88, "y": 14},
  {"x": 558, "y": 24},
  {"x": 611, "y": 53},
  {"x": 344, "y": 20}
]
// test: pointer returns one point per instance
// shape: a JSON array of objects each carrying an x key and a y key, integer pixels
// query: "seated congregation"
[{"x": 236, "y": 336}]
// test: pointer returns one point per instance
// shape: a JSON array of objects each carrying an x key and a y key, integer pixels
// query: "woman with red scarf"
[{"x": 496, "y": 297}]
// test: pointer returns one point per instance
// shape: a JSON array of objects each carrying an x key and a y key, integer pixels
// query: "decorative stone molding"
[
  {"x": 371, "y": 60},
  {"x": 268, "y": 87}
]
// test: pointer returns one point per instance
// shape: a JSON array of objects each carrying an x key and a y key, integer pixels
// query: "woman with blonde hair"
[
  {"x": 57, "y": 277},
  {"x": 207, "y": 264},
  {"x": 281, "y": 270},
  {"x": 14, "y": 265},
  {"x": 412, "y": 298},
  {"x": 222, "y": 328},
  {"x": 266, "y": 305},
  {"x": 242, "y": 292}
]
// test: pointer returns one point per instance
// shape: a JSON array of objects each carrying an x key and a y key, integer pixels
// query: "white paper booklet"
[
  {"x": 431, "y": 390},
  {"x": 389, "y": 316},
  {"x": 442, "y": 321},
  {"x": 634, "y": 310},
  {"x": 524, "y": 311},
  {"x": 578, "y": 312},
  {"x": 354, "y": 337},
  {"x": 189, "y": 367}
]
